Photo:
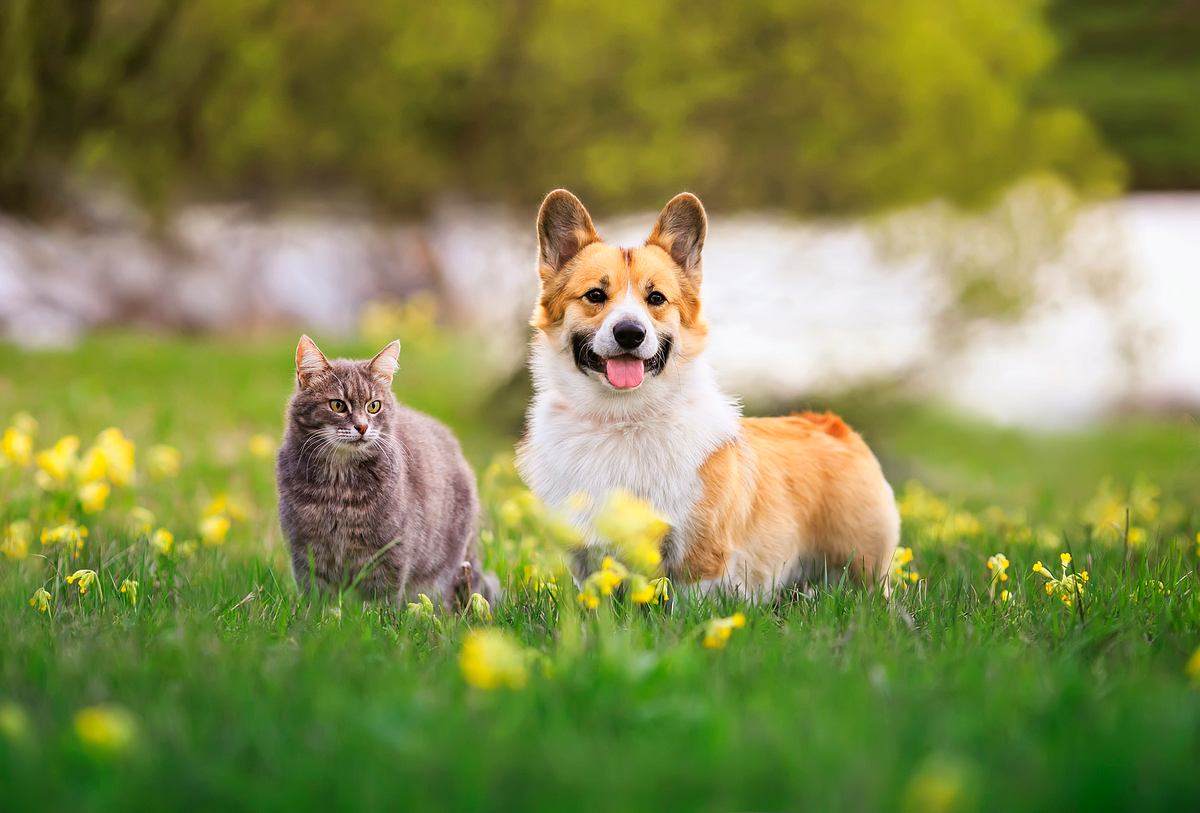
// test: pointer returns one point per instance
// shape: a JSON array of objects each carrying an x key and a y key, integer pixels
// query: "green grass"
[{"x": 246, "y": 696}]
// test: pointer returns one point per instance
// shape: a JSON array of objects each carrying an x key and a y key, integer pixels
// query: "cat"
[{"x": 373, "y": 495}]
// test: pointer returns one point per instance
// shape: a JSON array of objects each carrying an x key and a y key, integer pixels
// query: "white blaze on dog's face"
[{"x": 618, "y": 316}]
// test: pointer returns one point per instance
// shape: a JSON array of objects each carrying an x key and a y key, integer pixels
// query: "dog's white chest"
[{"x": 564, "y": 457}]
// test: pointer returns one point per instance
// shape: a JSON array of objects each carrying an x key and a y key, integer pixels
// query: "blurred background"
[{"x": 991, "y": 206}]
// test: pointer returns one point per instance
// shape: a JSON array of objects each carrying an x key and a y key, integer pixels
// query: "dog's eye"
[
  {"x": 595, "y": 296},
  {"x": 374, "y": 406},
  {"x": 337, "y": 405},
  {"x": 656, "y": 299}
]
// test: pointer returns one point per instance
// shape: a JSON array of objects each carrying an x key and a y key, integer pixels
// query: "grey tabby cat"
[{"x": 372, "y": 494}]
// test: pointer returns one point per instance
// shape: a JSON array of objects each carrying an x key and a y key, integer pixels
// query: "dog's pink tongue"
[{"x": 625, "y": 372}]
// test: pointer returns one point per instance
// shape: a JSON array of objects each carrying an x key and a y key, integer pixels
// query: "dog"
[{"x": 625, "y": 400}]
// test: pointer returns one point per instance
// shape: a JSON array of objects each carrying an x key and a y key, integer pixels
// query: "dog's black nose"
[{"x": 629, "y": 334}]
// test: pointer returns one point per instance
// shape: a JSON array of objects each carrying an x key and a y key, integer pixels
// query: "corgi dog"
[{"x": 624, "y": 400}]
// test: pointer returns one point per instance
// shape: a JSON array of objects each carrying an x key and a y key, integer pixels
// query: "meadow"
[{"x": 166, "y": 660}]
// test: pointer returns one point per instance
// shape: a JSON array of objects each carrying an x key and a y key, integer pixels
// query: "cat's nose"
[{"x": 361, "y": 427}]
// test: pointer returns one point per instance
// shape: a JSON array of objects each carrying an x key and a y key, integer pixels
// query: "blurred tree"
[
  {"x": 1134, "y": 68},
  {"x": 813, "y": 106}
]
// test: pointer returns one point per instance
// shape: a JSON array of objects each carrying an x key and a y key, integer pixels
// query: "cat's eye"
[
  {"x": 656, "y": 299},
  {"x": 374, "y": 406},
  {"x": 337, "y": 405},
  {"x": 595, "y": 296}
]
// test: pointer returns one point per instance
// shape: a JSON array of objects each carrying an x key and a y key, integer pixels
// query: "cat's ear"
[
  {"x": 564, "y": 227},
  {"x": 680, "y": 231},
  {"x": 385, "y": 364},
  {"x": 309, "y": 361}
]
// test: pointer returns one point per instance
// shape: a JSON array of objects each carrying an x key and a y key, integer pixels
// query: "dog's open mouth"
[{"x": 625, "y": 372}]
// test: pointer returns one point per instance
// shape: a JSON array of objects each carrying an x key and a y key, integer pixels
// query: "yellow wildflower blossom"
[
  {"x": 718, "y": 630},
  {"x": 900, "y": 573},
  {"x": 93, "y": 467},
  {"x": 490, "y": 659},
  {"x": 69, "y": 535},
  {"x": 1192, "y": 668},
  {"x": 634, "y": 527},
  {"x": 129, "y": 588},
  {"x": 40, "y": 600},
  {"x": 1137, "y": 536},
  {"x": 162, "y": 541},
  {"x": 18, "y": 446},
  {"x": 16, "y": 539},
  {"x": 14, "y": 722},
  {"x": 1005, "y": 595},
  {"x": 118, "y": 452},
  {"x": 214, "y": 529},
  {"x": 261, "y": 446},
  {"x": 56, "y": 464},
  {"x": 1068, "y": 586},
  {"x": 84, "y": 578},
  {"x": 590, "y": 601},
  {"x": 162, "y": 461},
  {"x": 105, "y": 728},
  {"x": 93, "y": 496},
  {"x": 224, "y": 504}
]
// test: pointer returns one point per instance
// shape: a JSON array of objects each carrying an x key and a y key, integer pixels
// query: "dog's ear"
[
  {"x": 564, "y": 227},
  {"x": 680, "y": 231},
  {"x": 309, "y": 361}
]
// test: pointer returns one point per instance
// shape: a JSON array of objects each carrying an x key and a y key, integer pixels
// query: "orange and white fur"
[{"x": 625, "y": 400}]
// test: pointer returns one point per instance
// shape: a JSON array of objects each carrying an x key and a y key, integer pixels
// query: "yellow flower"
[
  {"x": 40, "y": 600},
  {"x": 224, "y": 504},
  {"x": 85, "y": 578},
  {"x": 118, "y": 452},
  {"x": 16, "y": 539},
  {"x": 718, "y": 630},
  {"x": 56, "y": 463},
  {"x": 901, "y": 558},
  {"x": 1192, "y": 668},
  {"x": 130, "y": 588},
  {"x": 162, "y": 461},
  {"x": 18, "y": 446},
  {"x": 214, "y": 529},
  {"x": 261, "y": 446},
  {"x": 1065, "y": 558},
  {"x": 93, "y": 467},
  {"x": 161, "y": 541},
  {"x": 14, "y": 722},
  {"x": 490, "y": 659},
  {"x": 1137, "y": 536},
  {"x": 105, "y": 728},
  {"x": 1004, "y": 595},
  {"x": 633, "y": 526},
  {"x": 187, "y": 549},
  {"x": 589, "y": 600},
  {"x": 93, "y": 496},
  {"x": 941, "y": 784},
  {"x": 641, "y": 591},
  {"x": 69, "y": 535},
  {"x": 1040, "y": 569}
]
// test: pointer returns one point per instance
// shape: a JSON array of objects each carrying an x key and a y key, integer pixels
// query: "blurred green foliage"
[
  {"x": 1134, "y": 69},
  {"x": 812, "y": 106}
]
